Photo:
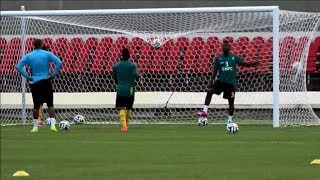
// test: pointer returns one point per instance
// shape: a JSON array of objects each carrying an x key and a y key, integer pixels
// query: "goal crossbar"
[{"x": 141, "y": 11}]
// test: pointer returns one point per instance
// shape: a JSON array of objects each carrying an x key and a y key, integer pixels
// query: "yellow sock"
[
  {"x": 128, "y": 116},
  {"x": 123, "y": 116},
  {"x": 40, "y": 113}
]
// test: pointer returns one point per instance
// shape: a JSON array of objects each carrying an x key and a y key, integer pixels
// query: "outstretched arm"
[
  {"x": 250, "y": 64},
  {"x": 246, "y": 64}
]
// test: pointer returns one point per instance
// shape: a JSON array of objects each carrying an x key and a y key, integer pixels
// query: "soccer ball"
[
  {"x": 64, "y": 125},
  {"x": 48, "y": 121},
  {"x": 156, "y": 43},
  {"x": 78, "y": 119},
  {"x": 232, "y": 128},
  {"x": 202, "y": 121},
  {"x": 297, "y": 66}
]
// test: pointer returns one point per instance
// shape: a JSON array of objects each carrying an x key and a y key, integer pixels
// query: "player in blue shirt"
[{"x": 40, "y": 80}]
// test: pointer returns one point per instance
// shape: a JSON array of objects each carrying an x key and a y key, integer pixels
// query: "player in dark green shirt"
[
  {"x": 126, "y": 75},
  {"x": 225, "y": 66}
]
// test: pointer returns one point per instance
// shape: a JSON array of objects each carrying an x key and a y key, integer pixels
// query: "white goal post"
[{"x": 89, "y": 41}]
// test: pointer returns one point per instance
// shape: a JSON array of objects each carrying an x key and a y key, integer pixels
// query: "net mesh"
[{"x": 174, "y": 54}]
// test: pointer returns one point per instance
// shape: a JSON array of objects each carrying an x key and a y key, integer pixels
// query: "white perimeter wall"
[{"x": 244, "y": 100}]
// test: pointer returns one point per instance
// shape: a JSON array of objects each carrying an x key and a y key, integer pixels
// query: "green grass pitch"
[{"x": 161, "y": 152}]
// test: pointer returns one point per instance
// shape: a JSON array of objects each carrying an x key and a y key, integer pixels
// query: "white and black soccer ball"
[
  {"x": 78, "y": 119},
  {"x": 64, "y": 125},
  {"x": 297, "y": 66},
  {"x": 156, "y": 43},
  {"x": 202, "y": 121},
  {"x": 232, "y": 128},
  {"x": 48, "y": 121}
]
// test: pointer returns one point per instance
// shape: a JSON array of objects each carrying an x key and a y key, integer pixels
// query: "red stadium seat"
[
  {"x": 3, "y": 43},
  {"x": 213, "y": 46},
  {"x": 68, "y": 59},
  {"x": 15, "y": 42},
  {"x": 182, "y": 43},
  {"x": 317, "y": 41},
  {"x": 312, "y": 57},
  {"x": 100, "y": 59},
  {"x": 313, "y": 49},
  {"x": 157, "y": 65},
  {"x": 65, "y": 51},
  {"x": 190, "y": 60},
  {"x": 193, "y": 55},
  {"x": 171, "y": 60},
  {"x": 48, "y": 43},
  {"x": 106, "y": 41},
  {"x": 212, "y": 40},
  {"x": 171, "y": 64},
  {"x": 145, "y": 59},
  {"x": 29, "y": 45},
  {"x": 92, "y": 42},
  {"x": 240, "y": 45},
  {"x": 76, "y": 40},
  {"x": 80, "y": 53},
  {"x": 116, "y": 47},
  {"x": 205, "y": 60},
  {"x": 58, "y": 48},
  {"x": 229, "y": 39},
  {"x": 135, "y": 46},
  {"x": 121, "y": 42},
  {"x": 114, "y": 53},
  {"x": 258, "y": 41},
  {"x": 11, "y": 56},
  {"x": 198, "y": 42},
  {"x": 136, "y": 41},
  {"x": 62, "y": 41},
  {"x": 286, "y": 52},
  {"x": 311, "y": 64}
]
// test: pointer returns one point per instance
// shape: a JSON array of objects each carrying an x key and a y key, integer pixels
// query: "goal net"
[{"x": 174, "y": 50}]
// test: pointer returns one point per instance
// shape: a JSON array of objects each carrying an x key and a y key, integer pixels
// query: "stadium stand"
[{"x": 175, "y": 61}]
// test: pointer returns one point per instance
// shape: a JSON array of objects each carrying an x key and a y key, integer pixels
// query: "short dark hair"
[
  {"x": 46, "y": 48},
  {"x": 37, "y": 43},
  {"x": 225, "y": 42},
  {"x": 125, "y": 53}
]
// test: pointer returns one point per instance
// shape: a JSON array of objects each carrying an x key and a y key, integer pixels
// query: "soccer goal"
[{"x": 174, "y": 49}]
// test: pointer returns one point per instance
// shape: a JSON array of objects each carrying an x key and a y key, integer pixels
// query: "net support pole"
[
  {"x": 23, "y": 81},
  {"x": 276, "y": 74}
]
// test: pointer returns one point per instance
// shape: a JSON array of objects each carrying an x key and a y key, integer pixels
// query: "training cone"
[
  {"x": 20, "y": 174},
  {"x": 316, "y": 161}
]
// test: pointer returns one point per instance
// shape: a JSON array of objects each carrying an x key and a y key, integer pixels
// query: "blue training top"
[{"x": 39, "y": 62}]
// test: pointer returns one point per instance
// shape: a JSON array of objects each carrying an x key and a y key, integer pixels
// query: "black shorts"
[
  {"x": 228, "y": 90},
  {"x": 42, "y": 92},
  {"x": 124, "y": 102}
]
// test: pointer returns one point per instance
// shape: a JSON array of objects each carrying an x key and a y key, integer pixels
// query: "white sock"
[
  {"x": 205, "y": 108},
  {"x": 35, "y": 123},
  {"x": 53, "y": 121},
  {"x": 229, "y": 119}
]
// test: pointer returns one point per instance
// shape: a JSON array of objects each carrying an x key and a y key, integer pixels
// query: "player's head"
[
  {"x": 125, "y": 54},
  {"x": 46, "y": 48},
  {"x": 37, "y": 43},
  {"x": 225, "y": 47}
]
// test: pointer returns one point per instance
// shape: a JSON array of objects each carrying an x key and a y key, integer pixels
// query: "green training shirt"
[
  {"x": 126, "y": 74},
  {"x": 227, "y": 68}
]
